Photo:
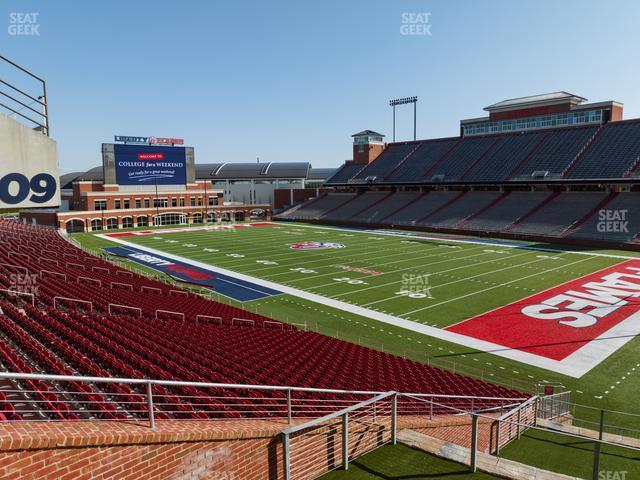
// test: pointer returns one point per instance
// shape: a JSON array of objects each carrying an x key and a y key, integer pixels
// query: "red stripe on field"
[
  {"x": 121, "y": 234},
  {"x": 510, "y": 327}
]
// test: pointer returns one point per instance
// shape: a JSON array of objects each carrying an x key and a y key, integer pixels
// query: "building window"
[
  {"x": 192, "y": 201},
  {"x": 174, "y": 202},
  {"x": 160, "y": 202},
  {"x": 100, "y": 205},
  {"x": 127, "y": 222},
  {"x": 117, "y": 204},
  {"x": 213, "y": 201},
  {"x": 112, "y": 223},
  {"x": 96, "y": 224},
  {"x": 127, "y": 204},
  {"x": 170, "y": 219},
  {"x": 182, "y": 201},
  {"x": 199, "y": 201},
  {"x": 146, "y": 203},
  {"x": 143, "y": 221},
  {"x": 138, "y": 203},
  {"x": 533, "y": 123}
]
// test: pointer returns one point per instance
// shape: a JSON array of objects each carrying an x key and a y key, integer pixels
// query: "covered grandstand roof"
[
  {"x": 225, "y": 171},
  {"x": 233, "y": 171},
  {"x": 536, "y": 100},
  {"x": 95, "y": 174}
]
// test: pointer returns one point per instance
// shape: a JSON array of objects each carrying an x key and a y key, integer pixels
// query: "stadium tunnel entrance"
[{"x": 74, "y": 225}]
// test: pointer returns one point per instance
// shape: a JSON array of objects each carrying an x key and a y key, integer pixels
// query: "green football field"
[{"x": 434, "y": 282}]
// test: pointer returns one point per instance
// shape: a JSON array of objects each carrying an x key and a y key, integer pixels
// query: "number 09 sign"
[{"x": 19, "y": 190}]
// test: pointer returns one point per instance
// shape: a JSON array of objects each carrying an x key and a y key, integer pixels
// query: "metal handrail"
[
  {"x": 40, "y": 100},
  {"x": 179, "y": 383},
  {"x": 339, "y": 413}
]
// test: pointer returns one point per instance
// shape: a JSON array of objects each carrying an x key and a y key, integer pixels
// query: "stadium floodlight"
[{"x": 403, "y": 101}]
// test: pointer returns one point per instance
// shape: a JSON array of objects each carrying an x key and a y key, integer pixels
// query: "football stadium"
[{"x": 461, "y": 306}]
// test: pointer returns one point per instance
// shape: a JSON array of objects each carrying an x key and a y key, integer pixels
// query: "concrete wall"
[{"x": 27, "y": 152}]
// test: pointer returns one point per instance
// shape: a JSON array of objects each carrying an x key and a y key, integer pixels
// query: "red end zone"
[{"x": 560, "y": 321}]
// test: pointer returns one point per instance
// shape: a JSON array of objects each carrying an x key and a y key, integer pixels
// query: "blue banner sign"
[{"x": 150, "y": 165}]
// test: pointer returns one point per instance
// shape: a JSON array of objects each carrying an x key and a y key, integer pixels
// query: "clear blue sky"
[{"x": 292, "y": 80}]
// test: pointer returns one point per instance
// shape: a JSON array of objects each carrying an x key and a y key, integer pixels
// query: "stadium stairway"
[
  {"x": 492, "y": 204},
  {"x": 526, "y": 158},
  {"x": 533, "y": 211},
  {"x": 382, "y": 198},
  {"x": 572, "y": 165},
  {"x": 441, "y": 207},
  {"x": 403, "y": 206}
]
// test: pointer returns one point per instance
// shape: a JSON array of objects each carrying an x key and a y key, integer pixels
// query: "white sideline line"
[{"x": 575, "y": 365}]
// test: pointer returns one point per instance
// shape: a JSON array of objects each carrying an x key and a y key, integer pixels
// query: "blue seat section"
[
  {"x": 615, "y": 221},
  {"x": 461, "y": 159},
  {"x": 318, "y": 208},
  {"x": 344, "y": 174},
  {"x": 591, "y": 152},
  {"x": 423, "y": 158},
  {"x": 612, "y": 154},
  {"x": 387, "y": 161},
  {"x": 501, "y": 159},
  {"x": 560, "y": 213},
  {"x": 555, "y": 153}
]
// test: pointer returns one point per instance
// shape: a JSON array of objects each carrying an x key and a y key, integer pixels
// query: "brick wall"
[
  {"x": 240, "y": 450},
  {"x": 196, "y": 450}
]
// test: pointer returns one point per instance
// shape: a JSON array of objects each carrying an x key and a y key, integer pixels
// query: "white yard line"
[
  {"x": 490, "y": 272},
  {"x": 493, "y": 287},
  {"x": 414, "y": 267},
  {"x": 575, "y": 365},
  {"x": 379, "y": 265}
]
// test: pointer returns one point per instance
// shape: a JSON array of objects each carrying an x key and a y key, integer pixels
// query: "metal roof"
[
  {"x": 367, "y": 132},
  {"x": 321, "y": 173},
  {"x": 268, "y": 170},
  {"x": 225, "y": 171},
  {"x": 67, "y": 179},
  {"x": 543, "y": 99}
]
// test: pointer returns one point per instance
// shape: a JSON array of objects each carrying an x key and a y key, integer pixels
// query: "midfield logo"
[{"x": 315, "y": 245}]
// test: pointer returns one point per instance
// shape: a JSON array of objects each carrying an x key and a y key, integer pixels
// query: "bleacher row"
[
  {"x": 41, "y": 335},
  {"x": 608, "y": 152},
  {"x": 584, "y": 215}
]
